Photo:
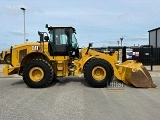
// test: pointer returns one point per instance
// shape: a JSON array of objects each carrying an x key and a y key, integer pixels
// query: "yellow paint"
[
  {"x": 36, "y": 74},
  {"x": 3, "y": 55},
  {"x": 99, "y": 73}
]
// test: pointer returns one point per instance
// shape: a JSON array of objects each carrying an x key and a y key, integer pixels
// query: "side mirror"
[
  {"x": 46, "y": 38},
  {"x": 46, "y": 26}
]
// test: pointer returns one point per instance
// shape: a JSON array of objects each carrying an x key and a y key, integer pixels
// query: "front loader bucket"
[{"x": 136, "y": 74}]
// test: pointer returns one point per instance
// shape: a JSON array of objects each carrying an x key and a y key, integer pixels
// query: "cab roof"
[{"x": 52, "y": 27}]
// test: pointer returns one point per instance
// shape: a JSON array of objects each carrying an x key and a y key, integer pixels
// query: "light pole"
[
  {"x": 118, "y": 43},
  {"x": 121, "y": 40},
  {"x": 24, "y": 24}
]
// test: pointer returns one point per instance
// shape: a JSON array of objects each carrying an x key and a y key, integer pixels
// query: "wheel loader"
[
  {"x": 58, "y": 55},
  {"x": 5, "y": 56}
]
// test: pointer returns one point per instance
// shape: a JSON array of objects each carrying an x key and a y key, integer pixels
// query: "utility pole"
[{"x": 24, "y": 24}]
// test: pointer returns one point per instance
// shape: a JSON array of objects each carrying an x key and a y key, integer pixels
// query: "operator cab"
[{"x": 62, "y": 41}]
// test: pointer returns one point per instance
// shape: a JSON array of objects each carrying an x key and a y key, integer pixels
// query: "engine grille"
[{"x": 22, "y": 53}]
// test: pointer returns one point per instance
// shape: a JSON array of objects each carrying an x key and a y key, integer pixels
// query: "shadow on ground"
[
  {"x": 66, "y": 80},
  {"x": 60, "y": 81},
  {"x": 18, "y": 82},
  {"x": 63, "y": 81}
]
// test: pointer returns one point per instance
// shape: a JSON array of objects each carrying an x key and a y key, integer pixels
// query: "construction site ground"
[{"x": 73, "y": 99}]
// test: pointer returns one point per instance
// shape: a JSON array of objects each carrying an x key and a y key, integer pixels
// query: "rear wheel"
[
  {"x": 98, "y": 73},
  {"x": 7, "y": 59},
  {"x": 38, "y": 73}
]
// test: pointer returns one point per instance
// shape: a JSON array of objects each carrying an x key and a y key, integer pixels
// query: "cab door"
[{"x": 58, "y": 45}]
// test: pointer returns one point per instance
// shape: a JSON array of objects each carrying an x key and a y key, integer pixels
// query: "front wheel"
[
  {"x": 98, "y": 73},
  {"x": 38, "y": 73}
]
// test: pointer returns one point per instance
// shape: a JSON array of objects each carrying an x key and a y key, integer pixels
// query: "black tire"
[
  {"x": 107, "y": 69},
  {"x": 55, "y": 78},
  {"x": 7, "y": 59},
  {"x": 47, "y": 75}
]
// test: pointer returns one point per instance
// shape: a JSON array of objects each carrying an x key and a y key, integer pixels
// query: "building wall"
[
  {"x": 158, "y": 38},
  {"x": 154, "y": 37}
]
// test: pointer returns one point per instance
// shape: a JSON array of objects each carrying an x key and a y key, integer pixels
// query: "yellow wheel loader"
[
  {"x": 5, "y": 56},
  {"x": 58, "y": 55}
]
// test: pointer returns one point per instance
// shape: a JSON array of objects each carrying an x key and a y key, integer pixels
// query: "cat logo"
[{"x": 35, "y": 48}]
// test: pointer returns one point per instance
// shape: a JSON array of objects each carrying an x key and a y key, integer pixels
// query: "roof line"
[{"x": 154, "y": 29}]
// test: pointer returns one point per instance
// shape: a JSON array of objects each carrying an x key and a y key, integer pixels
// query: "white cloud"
[
  {"x": 17, "y": 32},
  {"x": 142, "y": 37}
]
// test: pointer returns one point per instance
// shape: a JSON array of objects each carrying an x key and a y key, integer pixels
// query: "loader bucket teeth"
[{"x": 142, "y": 78}]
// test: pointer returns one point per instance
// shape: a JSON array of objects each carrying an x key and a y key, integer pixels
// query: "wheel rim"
[
  {"x": 36, "y": 74},
  {"x": 99, "y": 73}
]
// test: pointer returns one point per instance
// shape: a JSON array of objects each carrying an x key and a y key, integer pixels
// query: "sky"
[{"x": 101, "y": 22}]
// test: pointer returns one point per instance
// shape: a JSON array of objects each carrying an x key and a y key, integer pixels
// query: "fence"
[{"x": 145, "y": 54}]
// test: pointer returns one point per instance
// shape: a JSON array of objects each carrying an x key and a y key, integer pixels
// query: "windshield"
[
  {"x": 59, "y": 37},
  {"x": 74, "y": 41}
]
